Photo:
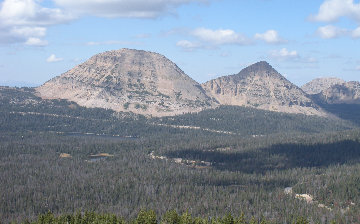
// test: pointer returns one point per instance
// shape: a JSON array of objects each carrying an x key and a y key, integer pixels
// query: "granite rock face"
[
  {"x": 345, "y": 93},
  {"x": 261, "y": 86},
  {"x": 150, "y": 84},
  {"x": 132, "y": 81},
  {"x": 320, "y": 84}
]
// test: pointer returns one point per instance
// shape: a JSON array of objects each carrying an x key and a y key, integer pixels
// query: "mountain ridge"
[
  {"x": 148, "y": 83},
  {"x": 317, "y": 85},
  {"x": 344, "y": 93}
]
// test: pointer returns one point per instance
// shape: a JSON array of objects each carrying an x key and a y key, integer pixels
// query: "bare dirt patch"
[{"x": 65, "y": 155}]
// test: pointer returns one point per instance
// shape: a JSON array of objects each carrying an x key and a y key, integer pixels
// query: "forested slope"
[{"x": 236, "y": 160}]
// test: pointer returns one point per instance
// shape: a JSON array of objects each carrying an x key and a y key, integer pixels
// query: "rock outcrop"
[
  {"x": 345, "y": 93},
  {"x": 260, "y": 86},
  {"x": 320, "y": 84},
  {"x": 150, "y": 84},
  {"x": 132, "y": 81}
]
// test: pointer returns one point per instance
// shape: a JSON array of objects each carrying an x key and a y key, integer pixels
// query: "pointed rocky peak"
[
  {"x": 261, "y": 86},
  {"x": 261, "y": 66},
  {"x": 259, "y": 69}
]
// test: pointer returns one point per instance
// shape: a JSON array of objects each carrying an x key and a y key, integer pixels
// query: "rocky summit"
[
  {"x": 260, "y": 86},
  {"x": 320, "y": 84},
  {"x": 132, "y": 81}
]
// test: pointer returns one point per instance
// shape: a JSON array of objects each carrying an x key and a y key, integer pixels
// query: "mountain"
[
  {"x": 317, "y": 85},
  {"x": 261, "y": 86},
  {"x": 129, "y": 80},
  {"x": 150, "y": 84},
  {"x": 345, "y": 93}
]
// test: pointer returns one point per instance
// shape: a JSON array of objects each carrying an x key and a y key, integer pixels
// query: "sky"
[{"x": 303, "y": 40}]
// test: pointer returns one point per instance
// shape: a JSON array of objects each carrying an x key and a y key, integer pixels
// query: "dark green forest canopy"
[
  {"x": 249, "y": 121},
  {"x": 58, "y": 156},
  {"x": 36, "y": 179},
  {"x": 28, "y": 112},
  {"x": 150, "y": 217}
]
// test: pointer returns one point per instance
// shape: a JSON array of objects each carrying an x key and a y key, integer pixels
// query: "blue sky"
[{"x": 303, "y": 40}]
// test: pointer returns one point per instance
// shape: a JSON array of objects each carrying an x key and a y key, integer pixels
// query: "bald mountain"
[
  {"x": 129, "y": 80},
  {"x": 260, "y": 86}
]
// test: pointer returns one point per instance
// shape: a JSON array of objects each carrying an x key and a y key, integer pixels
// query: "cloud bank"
[
  {"x": 331, "y": 11},
  {"x": 26, "y": 21},
  {"x": 124, "y": 8},
  {"x": 210, "y": 38}
]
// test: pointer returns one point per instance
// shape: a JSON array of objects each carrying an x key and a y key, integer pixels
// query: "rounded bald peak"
[
  {"x": 129, "y": 80},
  {"x": 128, "y": 55}
]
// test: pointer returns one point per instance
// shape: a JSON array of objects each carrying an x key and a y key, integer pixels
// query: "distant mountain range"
[
  {"x": 320, "y": 84},
  {"x": 148, "y": 83},
  {"x": 333, "y": 91}
]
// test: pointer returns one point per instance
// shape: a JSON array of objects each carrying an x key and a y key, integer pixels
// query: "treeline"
[{"x": 150, "y": 217}]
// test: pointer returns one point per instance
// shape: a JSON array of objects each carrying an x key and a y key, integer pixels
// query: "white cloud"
[
  {"x": 31, "y": 15},
  {"x": 270, "y": 36},
  {"x": 220, "y": 36},
  {"x": 33, "y": 41},
  {"x": 356, "y": 33},
  {"x": 284, "y": 54},
  {"x": 291, "y": 55},
  {"x": 332, "y": 10},
  {"x": 53, "y": 58},
  {"x": 330, "y": 31},
  {"x": 188, "y": 45},
  {"x": 209, "y": 39},
  {"x": 21, "y": 20},
  {"x": 29, "y": 31},
  {"x": 123, "y": 8}
]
